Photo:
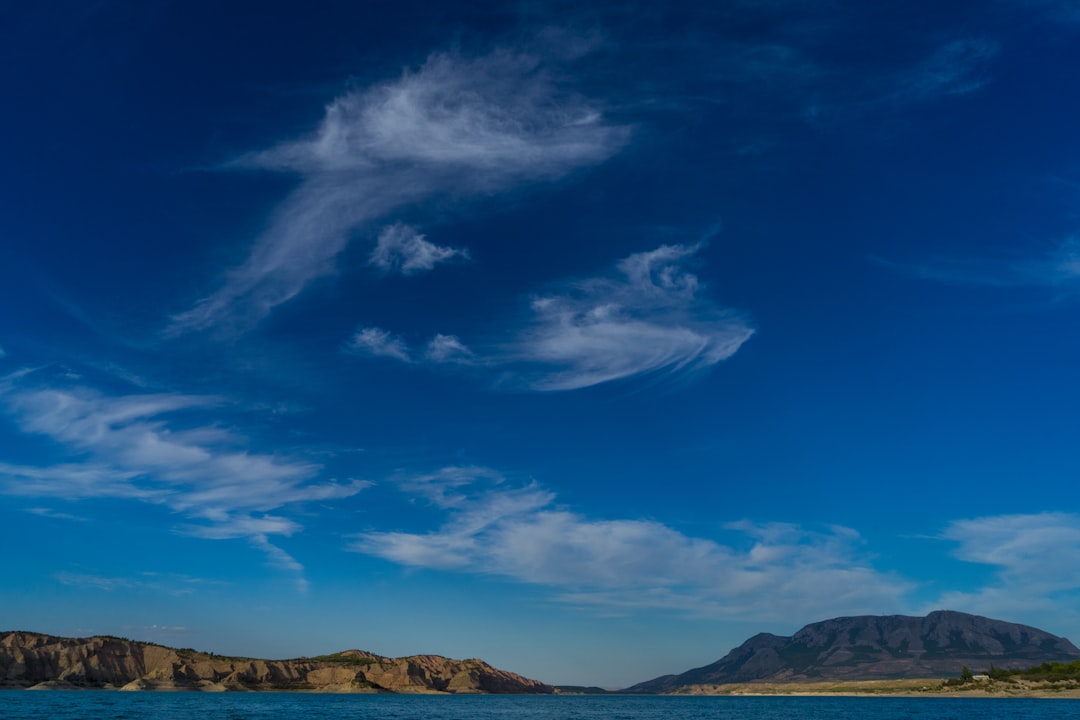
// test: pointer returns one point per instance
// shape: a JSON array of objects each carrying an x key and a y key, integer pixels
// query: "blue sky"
[{"x": 589, "y": 340}]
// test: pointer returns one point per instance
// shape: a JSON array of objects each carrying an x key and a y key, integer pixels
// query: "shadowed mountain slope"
[{"x": 871, "y": 647}]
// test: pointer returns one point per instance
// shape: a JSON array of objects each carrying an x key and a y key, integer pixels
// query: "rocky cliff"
[
  {"x": 872, "y": 647},
  {"x": 34, "y": 660}
]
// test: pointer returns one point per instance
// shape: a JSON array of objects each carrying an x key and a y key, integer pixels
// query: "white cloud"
[
  {"x": 74, "y": 481},
  {"x": 1035, "y": 555},
  {"x": 445, "y": 486},
  {"x": 402, "y": 249},
  {"x": 278, "y": 558},
  {"x": 1020, "y": 543},
  {"x": 448, "y": 349},
  {"x": 648, "y": 316},
  {"x": 127, "y": 447},
  {"x": 3, "y": 353},
  {"x": 499, "y": 115},
  {"x": 244, "y": 527},
  {"x": 457, "y": 126},
  {"x": 378, "y": 342},
  {"x": 522, "y": 534},
  {"x": 1036, "y": 567},
  {"x": 50, "y": 513}
]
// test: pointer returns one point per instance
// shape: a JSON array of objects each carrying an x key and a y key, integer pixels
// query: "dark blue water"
[{"x": 107, "y": 705}]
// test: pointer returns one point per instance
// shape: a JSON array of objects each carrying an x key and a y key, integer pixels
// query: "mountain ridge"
[
  {"x": 872, "y": 647},
  {"x": 38, "y": 660}
]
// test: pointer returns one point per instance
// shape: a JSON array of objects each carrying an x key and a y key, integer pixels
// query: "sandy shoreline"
[
  {"x": 917, "y": 688},
  {"x": 926, "y": 687}
]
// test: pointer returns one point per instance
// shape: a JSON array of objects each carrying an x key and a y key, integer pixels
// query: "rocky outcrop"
[
  {"x": 32, "y": 660},
  {"x": 872, "y": 647}
]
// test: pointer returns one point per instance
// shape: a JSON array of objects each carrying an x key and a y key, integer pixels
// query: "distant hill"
[
  {"x": 872, "y": 647},
  {"x": 43, "y": 661},
  {"x": 581, "y": 690}
]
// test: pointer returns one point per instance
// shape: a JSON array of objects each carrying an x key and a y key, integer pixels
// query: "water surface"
[{"x": 111, "y": 705}]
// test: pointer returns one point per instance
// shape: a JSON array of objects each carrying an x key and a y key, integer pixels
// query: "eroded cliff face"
[{"x": 34, "y": 660}]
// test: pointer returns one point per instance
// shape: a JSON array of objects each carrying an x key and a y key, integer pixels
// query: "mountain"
[
  {"x": 872, "y": 647},
  {"x": 35, "y": 660}
]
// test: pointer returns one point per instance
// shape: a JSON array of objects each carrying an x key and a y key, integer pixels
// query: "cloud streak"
[
  {"x": 521, "y": 533},
  {"x": 958, "y": 67},
  {"x": 647, "y": 316},
  {"x": 171, "y": 584},
  {"x": 53, "y": 514},
  {"x": 134, "y": 447},
  {"x": 455, "y": 127},
  {"x": 1057, "y": 269},
  {"x": 1035, "y": 560}
]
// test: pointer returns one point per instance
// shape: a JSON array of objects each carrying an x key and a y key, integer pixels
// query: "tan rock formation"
[{"x": 45, "y": 662}]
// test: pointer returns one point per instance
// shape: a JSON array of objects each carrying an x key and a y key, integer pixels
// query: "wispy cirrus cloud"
[
  {"x": 790, "y": 75},
  {"x": 96, "y": 582},
  {"x": 647, "y": 316},
  {"x": 457, "y": 127},
  {"x": 402, "y": 249},
  {"x": 133, "y": 447},
  {"x": 1036, "y": 562},
  {"x": 958, "y": 67},
  {"x": 520, "y": 532},
  {"x": 1057, "y": 269},
  {"x": 50, "y": 513},
  {"x": 171, "y": 583},
  {"x": 951, "y": 69}
]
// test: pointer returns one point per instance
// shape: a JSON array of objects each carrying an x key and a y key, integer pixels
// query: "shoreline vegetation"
[
  {"x": 939, "y": 648},
  {"x": 919, "y": 687},
  {"x": 1046, "y": 680}
]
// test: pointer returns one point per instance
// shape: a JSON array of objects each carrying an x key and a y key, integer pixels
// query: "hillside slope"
[
  {"x": 32, "y": 659},
  {"x": 872, "y": 647}
]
